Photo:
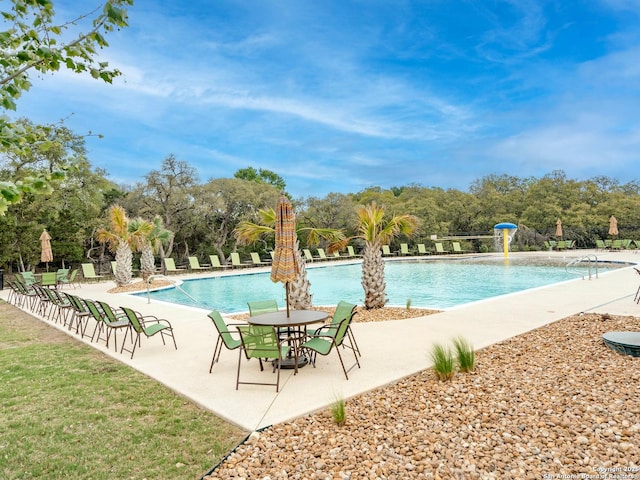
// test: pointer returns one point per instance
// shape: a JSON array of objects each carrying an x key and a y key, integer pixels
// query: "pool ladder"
[{"x": 590, "y": 260}]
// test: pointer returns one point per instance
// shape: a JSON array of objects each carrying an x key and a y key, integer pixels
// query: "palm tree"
[
  {"x": 151, "y": 244},
  {"x": 121, "y": 237},
  {"x": 375, "y": 230},
  {"x": 299, "y": 290}
]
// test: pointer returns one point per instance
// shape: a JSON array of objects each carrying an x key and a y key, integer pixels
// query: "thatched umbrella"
[
  {"x": 46, "y": 255},
  {"x": 285, "y": 268}
]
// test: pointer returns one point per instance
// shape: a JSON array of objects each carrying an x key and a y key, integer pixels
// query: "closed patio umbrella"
[
  {"x": 559, "y": 228},
  {"x": 47, "y": 254},
  {"x": 284, "y": 267},
  {"x": 613, "y": 226}
]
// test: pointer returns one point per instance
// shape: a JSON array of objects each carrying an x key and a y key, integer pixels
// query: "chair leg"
[{"x": 216, "y": 353}]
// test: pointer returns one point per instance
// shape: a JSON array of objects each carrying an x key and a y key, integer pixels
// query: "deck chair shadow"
[
  {"x": 225, "y": 336},
  {"x": 89, "y": 273},
  {"x": 146, "y": 325},
  {"x": 263, "y": 343},
  {"x": 327, "y": 339}
]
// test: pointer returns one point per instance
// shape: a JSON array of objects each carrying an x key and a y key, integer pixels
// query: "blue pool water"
[{"x": 433, "y": 284}]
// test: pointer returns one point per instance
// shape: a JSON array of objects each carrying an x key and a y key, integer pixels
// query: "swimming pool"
[{"x": 428, "y": 284}]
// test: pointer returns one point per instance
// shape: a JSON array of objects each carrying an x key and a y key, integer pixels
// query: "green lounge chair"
[
  {"x": 49, "y": 279},
  {"x": 351, "y": 252},
  {"x": 148, "y": 326},
  {"x": 404, "y": 249},
  {"x": 70, "y": 279},
  {"x": 194, "y": 264},
  {"x": 225, "y": 336},
  {"x": 343, "y": 310},
  {"x": 386, "y": 251},
  {"x": 422, "y": 250},
  {"x": 236, "y": 262},
  {"x": 263, "y": 343},
  {"x": 80, "y": 314},
  {"x": 440, "y": 248},
  {"x": 327, "y": 339},
  {"x": 307, "y": 255},
  {"x": 321, "y": 254},
  {"x": 62, "y": 274},
  {"x": 28, "y": 278},
  {"x": 170, "y": 266},
  {"x": 257, "y": 261},
  {"x": 89, "y": 273},
  {"x": 103, "y": 323},
  {"x": 457, "y": 248},
  {"x": 215, "y": 262}
]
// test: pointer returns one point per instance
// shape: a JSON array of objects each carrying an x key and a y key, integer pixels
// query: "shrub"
[
  {"x": 466, "y": 355},
  {"x": 408, "y": 304},
  {"x": 338, "y": 411},
  {"x": 443, "y": 362}
]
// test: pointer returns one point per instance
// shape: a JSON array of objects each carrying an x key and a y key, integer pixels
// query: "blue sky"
[{"x": 340, "y": 95}]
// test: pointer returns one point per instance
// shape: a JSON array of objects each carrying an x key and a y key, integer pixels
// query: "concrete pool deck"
[{"x": 390, "y": 350}]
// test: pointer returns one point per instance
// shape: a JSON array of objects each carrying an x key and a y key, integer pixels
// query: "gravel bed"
[{"x": 549, "y": 403}]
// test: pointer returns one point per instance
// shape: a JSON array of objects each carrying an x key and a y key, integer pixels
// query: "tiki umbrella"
[
  {"x": 47, "y": 255},
  {"x": 559, "y": 228},
  {"x": 613, "y": 226},
  {"x": 284, "y": 267}
]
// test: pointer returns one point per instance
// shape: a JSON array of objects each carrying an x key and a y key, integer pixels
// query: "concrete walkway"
[{"x": 390, "y": 350}]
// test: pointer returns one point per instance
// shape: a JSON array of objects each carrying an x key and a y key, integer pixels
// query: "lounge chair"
[
  {"x": 236, "y": 262},
  {"x": 89, "y": 273},
  {"x": 215, "y": 262},
  {"x": 457, "y": 248},
  {"x": 194, "y": 264},
  {"x": 225, "y": 336},
  {"x": 62, "y": 275},
  {"x": 104, "y": 323},
  {"x": 439, "y": 248},
  {"x": 28, "y": 278},
  {"x": 600, "y": 244},
  {"x": 70, "y": 279},
  {"x": 337, "y": 255},
  {"x": 422, "y": 250},
  {"x": 170, "y": 266},
  {"x": 404, "y": 249},
  {"x": 49, "y": 279},
  {"x": 351, "y": 252},
  {"x": 146, "y": 325},
  {"x": 307, "y": 255},
  {"x": 261, "y": 342},
  {"x": 257, "y": 261},
  {"x": 321, "y": 254},
  {"x": 329, "y": 338},
  {"x": 386, "y": 251}
]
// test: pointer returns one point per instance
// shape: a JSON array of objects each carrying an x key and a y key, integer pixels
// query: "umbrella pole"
[{"x": 286, "y": 289}]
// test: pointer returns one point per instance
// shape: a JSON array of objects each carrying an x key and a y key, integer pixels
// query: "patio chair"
[
  {"x": 225, "y": 336},
  {"x": 80, "y": 315},
  {"x": 343, "y": 311},
  {"x": 28, "y": 278},
  {"x": 263, "y": 343},
  {"x": 60, "y": 303},
  {"x": 194, "y": 264},
  {"x": 49, "y": 279},
  {"x": 43, "y": 303},
  {"x": 62, "y": 275},
  {"x": 70, "y": 279},
  {"x": 262, "y": 306},
  {"x": 257, "y": 261},
  {"x": 104, "y": 323},
  {"x": 89, "y": 273},
  {"x": 328, "y": 338},
  {"x": 148, "y": 326},
  {"x": 170, "y": 266},
  {"x": 24, "y": 294}
]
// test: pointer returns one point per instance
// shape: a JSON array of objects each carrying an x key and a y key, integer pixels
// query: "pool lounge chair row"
[
  {"x": 323, "y": 256},
  {"x": 421, "y": 249},
  {"x": 79, "y": 314}
]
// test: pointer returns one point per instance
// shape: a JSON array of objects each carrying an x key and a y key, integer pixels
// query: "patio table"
[{"x": 296, "y": 322}]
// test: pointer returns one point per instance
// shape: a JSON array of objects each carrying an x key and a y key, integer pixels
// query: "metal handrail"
[
  {"x": 175, "y": 284},
  {"x": 590, "y": 259}
]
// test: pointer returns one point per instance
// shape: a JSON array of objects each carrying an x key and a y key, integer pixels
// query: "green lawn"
[{"x": 69, "y": 411}]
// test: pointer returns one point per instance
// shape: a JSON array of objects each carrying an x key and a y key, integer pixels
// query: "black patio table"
[{"x": 296, "y": 325}]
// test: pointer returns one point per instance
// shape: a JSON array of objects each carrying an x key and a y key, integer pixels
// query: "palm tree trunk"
[
  {"x": 147, "y": 262},
  {"x": 124, "y": 259},
  {"x": 373, "y": 276},
  {"x": 300, "y": 297}
]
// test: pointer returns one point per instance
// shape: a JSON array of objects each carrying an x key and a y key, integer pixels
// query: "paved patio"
[{"x": 390, "y": 350}]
